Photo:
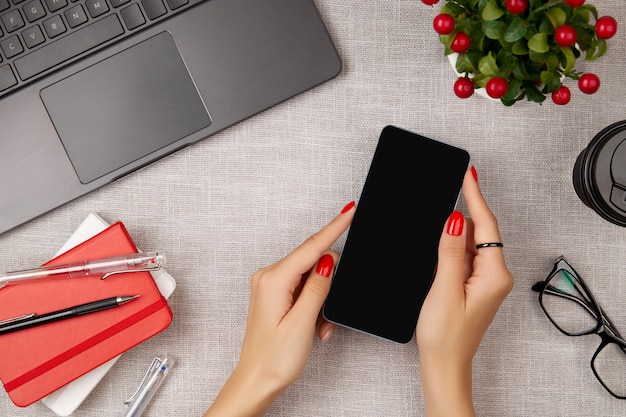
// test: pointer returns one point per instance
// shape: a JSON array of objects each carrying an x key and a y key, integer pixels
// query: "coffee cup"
[{"x": 599, "y": 174}]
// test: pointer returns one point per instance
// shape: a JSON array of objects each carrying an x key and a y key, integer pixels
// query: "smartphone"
[{"x": 388, "y": 261}]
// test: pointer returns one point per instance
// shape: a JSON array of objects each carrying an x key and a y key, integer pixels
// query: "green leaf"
[
  {"x": 534, "y": 94},
  {"x": 488, "y": 66},
  {"x": 584, "y": 39},
  {"x": 590, "y": 8},
  {"x": 494, "y": 29},
  {"x": 593, "y": 54},
  {"x": 550, "y": 80},
  {"x": 520, "y": 72},
  {"x": 480, "y": 80},
  {"x": 513, "y": 91},
  {"x": 557, "y": 16},
  {"x": 516, "y": 30},
  {"x": 537, "y": 58},
  {"x": 552, "y": 62},
  {"x": 539, "y": 43},
  {"x": 570, "y": 59},
  {"x": 464, "y": 64},
  {"x": 520, "y": 47},
  {"x": 492, "y": 11}
]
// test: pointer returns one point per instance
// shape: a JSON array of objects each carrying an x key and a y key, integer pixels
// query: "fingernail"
[
  {"x": 474, "y": 173},
  {"x": 455, "y": 223},
  {"x": 327, "y": 334},
  {"x": 325, "y": 265},
  {"x": 347, "y": 207}
]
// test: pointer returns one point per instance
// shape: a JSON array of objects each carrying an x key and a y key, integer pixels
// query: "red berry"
[
  {"x": 606, "y": 27},
  {"x": 463, "y": 87},
  {"x": 565, "y": 35},
  {"x": 561, "y": 96},
  {"x": 443, "y": 23},
  {"x": 589, "y": 83},
  {"x": 575, "y": 3},
  {"x": 432, "y": 2},
  {"x": 461, "y": 43},
  {"x": 497, "y": 87},
  {"x": 516, "y": 6}
]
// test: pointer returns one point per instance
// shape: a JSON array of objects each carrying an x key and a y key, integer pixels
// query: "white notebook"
[{"x": 67, "y": 399}]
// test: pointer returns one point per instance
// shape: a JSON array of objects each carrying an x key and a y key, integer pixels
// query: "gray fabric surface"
[{"x": 244, "y": 198}]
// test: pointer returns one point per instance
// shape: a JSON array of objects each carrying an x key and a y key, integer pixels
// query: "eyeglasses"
[{"x": 571, "y": 307}]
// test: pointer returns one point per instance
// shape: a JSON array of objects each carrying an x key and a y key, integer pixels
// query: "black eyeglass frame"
[{"x": 604, "y": 326}]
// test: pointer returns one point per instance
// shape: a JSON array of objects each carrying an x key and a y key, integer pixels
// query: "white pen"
[
  {"x": 148, "y": 261},
  {"x": 158, "y": 370}
]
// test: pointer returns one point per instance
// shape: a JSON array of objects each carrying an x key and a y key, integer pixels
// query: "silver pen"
[
  {"x": 148, "y": 261},
  {"x": 157, "y": 371}
]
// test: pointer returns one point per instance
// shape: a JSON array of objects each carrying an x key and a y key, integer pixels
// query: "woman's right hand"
[{"x": 469, "y": 287}]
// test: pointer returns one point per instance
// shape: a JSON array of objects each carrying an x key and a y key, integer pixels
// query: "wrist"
[
  {"x": 447, "y": 387},
  {"x": 243, "y": 395}
]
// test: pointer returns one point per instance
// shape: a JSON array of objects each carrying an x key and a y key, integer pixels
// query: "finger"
[
  {"x": 315, "y": 289},
  {"x": 325, "y": 331},
  {"x": 485, "y": 223},
  {"x": 451, "y": 262},
  {"x": 301, "y": 259}
]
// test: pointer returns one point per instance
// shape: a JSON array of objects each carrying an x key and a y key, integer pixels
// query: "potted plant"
[{"x": 522, "y": 49}]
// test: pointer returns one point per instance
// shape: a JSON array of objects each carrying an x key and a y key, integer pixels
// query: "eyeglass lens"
[
  {"x": 568, "y": 305},
  {"x": 609, "y": 365}
]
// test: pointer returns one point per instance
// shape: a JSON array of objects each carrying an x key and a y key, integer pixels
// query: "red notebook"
[{"x": 37, "y": 361}]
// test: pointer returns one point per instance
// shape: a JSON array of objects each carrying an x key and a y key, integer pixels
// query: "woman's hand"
[
  {"x": 468, "y": 289},
  {"x": 285, "y": 302}
]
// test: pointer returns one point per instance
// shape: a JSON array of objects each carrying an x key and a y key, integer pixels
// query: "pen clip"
[
  {"x": 124, "y": 271},
  {"x": 16, "y": 319},
  {"x": 158, "y": 364}
]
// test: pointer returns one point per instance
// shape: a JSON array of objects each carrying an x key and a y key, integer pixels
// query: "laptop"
[{"x": 91, "y": 90}]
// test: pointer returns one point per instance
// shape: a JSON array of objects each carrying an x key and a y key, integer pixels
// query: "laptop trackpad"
[{"x": 125, "y": 107}]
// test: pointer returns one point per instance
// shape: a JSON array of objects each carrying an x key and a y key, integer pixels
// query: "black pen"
[{"x": 30, "y": 320}]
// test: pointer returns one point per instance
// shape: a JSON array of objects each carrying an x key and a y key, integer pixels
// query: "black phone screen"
[{"x": 390, "y": 255}]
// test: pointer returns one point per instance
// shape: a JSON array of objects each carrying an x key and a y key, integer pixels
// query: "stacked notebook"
[{"x": 36, "y": 362}]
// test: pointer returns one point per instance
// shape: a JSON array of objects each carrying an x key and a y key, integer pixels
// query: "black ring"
[{"x": 490, "y": 245}]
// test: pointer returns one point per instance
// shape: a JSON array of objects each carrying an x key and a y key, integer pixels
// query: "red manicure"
[
  {"x": 474, "y": 173},
  {"x": 455, "y": 223},
  {"x": 325, "y": 265},
  {"x": 347, "y": 207}
]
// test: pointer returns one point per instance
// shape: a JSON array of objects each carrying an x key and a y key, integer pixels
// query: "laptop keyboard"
[{"x": 39, "y": 36}]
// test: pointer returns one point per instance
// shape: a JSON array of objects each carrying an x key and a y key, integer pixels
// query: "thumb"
[
  {"x": 450, "y": 266},
  {"x": 315, "y": 288}
]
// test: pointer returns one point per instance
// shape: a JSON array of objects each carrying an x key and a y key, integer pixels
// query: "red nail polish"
[
  {"x": 325, "y": 265},
  {"x": 347, "y": 207},
  {"x": 474, "y": 173},
  {"x": 455, "y": 223}
]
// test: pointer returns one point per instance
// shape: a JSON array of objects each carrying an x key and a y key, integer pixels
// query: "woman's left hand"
[{"x": 285, "y": 302}]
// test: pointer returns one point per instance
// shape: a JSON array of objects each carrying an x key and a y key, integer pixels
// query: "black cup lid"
[{"x": 602, "y": 175}]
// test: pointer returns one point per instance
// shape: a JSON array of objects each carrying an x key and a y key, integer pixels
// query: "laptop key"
[
  {"x": 75, "y": 16},
  {"x": 7, "y": 79},
  {"x": 68, "y": 47},
  {"x": 54, "y": 5},
  {"x": 132, "y": 16},
  {"x": 96, "y": 7},
  {"x": 33, "y": 36},
  {"x": 54, "y": 26},
  {"x": 12, "y": 20},
  {"x": 4, "y": 4},
  {"x": 175, "y": 4},
  {"x": 11, "y": 46},
  {"x": 154, "y": 8},
  {"x": 33, "y": 10}
]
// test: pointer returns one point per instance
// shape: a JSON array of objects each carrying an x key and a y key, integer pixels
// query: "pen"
[
  {"x": 149, "y": 261},
  {"x": 157, "y": 371},
  {"x": 31, "y": 320}
]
